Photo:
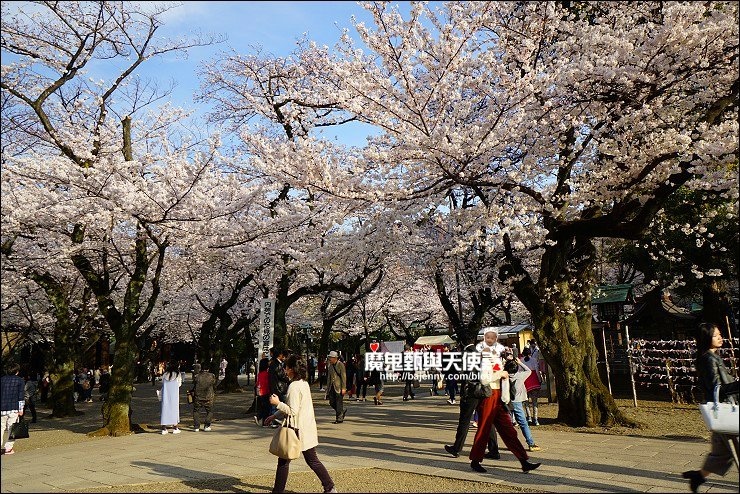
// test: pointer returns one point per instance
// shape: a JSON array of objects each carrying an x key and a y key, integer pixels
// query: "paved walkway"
[{"x": 404, "y": 437}]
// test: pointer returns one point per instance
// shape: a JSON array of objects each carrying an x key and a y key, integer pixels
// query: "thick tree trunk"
[
  {"x": 205, "y": 338},
  {"x": 62, "y": 372},
  {"x": 117, "y": 408},
  {"x": 567, "y": 343},
  {"x": 281, "y": 326},
  {"x": 560, "y": 304},
  {"x": 65, "y": 348},
  {"x": 326, "y": 328},
  {"x": 230, "y": 382},
  {"x": 62, "y": 389}
]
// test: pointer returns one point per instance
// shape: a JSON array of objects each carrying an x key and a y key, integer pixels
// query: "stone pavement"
[{"x": 398, "y": 436}]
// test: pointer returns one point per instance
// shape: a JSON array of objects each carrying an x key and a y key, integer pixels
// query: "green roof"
[{"x": 605, "y": 294}]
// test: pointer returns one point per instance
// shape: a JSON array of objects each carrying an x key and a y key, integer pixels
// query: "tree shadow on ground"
[{"x": 199, "y": 479}]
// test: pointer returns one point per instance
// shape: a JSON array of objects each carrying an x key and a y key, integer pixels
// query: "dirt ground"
[{"x": 657, "y": 419}]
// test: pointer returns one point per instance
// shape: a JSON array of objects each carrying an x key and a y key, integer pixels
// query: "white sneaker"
[
  {"x": 176, "y": 431},
  {"x": 164, "y": 431},
  {"x": 207, "y": 429},
  {"x": 196, "y": 429}
]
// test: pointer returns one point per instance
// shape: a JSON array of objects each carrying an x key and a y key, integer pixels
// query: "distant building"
[{"x": 656, "y": 317}]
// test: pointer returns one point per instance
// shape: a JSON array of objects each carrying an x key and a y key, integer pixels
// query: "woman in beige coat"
[{"x": 299, "y": 405}]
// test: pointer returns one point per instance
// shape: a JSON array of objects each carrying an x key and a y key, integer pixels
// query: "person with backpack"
[
  {"x": 533, "y": 386},
  {"x": 13, "y": 403}
]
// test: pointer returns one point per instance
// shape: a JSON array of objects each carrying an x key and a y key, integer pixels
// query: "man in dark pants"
[
  {"x": 336, "y": 386},
  {"x": 468, "y": 404},
  {"x": 278, "y": 379},
  {"x": 204, "y": 392},
  {"x": 29, "y": 392}
]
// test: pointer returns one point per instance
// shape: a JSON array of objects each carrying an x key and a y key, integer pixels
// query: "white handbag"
[
  {"x": 286, "y": 443},
  {"x": 722, "y": 418}
]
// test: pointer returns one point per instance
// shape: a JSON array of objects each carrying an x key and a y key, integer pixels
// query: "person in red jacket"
[
  {"x": 322, "y": 373},
  {"x": 263, "y": 393}
]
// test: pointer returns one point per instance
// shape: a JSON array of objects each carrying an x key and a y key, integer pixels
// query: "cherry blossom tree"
[
  {"x": 322, "y": 244},
  {"x": 105, "y": 178},
  {"x": 568, "y": 123}
]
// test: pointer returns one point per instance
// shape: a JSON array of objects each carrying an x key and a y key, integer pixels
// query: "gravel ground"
[{"x": 360, "y": 480}]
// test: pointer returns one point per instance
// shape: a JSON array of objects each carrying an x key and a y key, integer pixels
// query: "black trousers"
[
  {"x": 336, "y": 400},
  {"x": 32, "y": 405},
  {"x": 408, "y": 389},
  {"x": 312, "y": 460},
  {"x": 263, "y": 407},
  {"x": 467, "y": 408}
]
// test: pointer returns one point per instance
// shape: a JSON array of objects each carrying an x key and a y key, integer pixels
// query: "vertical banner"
[{"x": 267, "y": 325}]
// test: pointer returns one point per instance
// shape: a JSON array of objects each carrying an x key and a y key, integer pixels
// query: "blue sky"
[{"x": 275, "y": 26}]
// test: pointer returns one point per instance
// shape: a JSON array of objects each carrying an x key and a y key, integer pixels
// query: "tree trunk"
[
  {"x": 280, "y": 340},
  {"x": 62, "y": 371},
  {"x": 65, "y": 348},
  {"x": 326, "y": 328},
  {"x": 230, "y": 382},
  {"x": 560, "y": 304},
  {"x": 713, "y": 310},
  {"x": 567, "y": 343},
  {"x": 117, "y": 408},
  {"x": 205, "y": 338},
  {"x": 62, "y": 389}
]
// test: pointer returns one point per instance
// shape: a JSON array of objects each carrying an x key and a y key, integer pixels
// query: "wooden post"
[
  {"x": 732, "y": 346},
  {"x": 629, "y": 360},
  {"x": 674, "y": 396},
  {"x": 606, "y": 360}
]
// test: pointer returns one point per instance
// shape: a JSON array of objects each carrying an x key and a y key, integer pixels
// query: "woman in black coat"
[{"x": 712, "y": 372}]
